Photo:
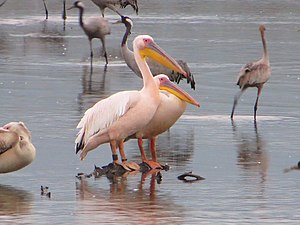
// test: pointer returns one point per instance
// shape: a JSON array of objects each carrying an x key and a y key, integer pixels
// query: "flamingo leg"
[
  {"x": 105, "y": 53},
  {"x": 64, "y": 14},
  {"x": 91, "y": 54},
  {"x": 259, "y": 88},
  {"x": 46, "y": 10}
]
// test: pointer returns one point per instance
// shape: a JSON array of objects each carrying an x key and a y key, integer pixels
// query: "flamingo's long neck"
[
  {"x": 81, "y": 17},
  {"x": 148, "y": 80},
  {"x": 265, "y": 51}
]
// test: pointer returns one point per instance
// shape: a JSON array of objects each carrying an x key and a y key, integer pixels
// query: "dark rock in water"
[
  {"x": 113, "y": 170},
  {"x": 144, "y": 167},
  {"x": 98, "y": 172},
  {"x": 195, "y": 177}
]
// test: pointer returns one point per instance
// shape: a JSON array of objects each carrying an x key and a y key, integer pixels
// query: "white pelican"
[
  {"x": 102, "y": 4},
  {"x": 122, "y": 114},
  {"x": 93, "y": 27},
  {"x": 16, "y": 149},
  {"x": 171, "y": 107},
  {"x": 156, "y": 68},
  {"x": 254, "y": 74}
]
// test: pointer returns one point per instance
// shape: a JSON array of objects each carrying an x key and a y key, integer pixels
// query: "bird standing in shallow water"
[
  {"x": 254, "y": 74},
  {"x": 115, "y": 118},
  {"x": 102, "y": 4},
  {"x": 172, "y": 106},
  {"x": 16, "y": 149},
  {"x": 155, "y": 67},
  {"x": 93, "y": 27}
]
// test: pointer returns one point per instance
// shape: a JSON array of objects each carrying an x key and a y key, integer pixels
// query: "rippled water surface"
[{"x": 45, "y": 82}]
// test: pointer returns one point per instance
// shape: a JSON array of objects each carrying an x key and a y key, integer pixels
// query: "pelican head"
[
  {"x": 18, "y": 128},
  {"x": 148, "y": 48},
  {"x": 164, "y": 83}
]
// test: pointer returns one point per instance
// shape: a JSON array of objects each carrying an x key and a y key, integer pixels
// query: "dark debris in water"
[
  {"x": 45, "y": 191},
  {"x": 114, "y": 170},
  {"x": 190, "y": 175},
  {"x": 296, "y": 167}
]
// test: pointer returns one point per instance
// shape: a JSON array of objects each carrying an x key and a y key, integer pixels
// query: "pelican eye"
[{"x": 146, "y": 40}]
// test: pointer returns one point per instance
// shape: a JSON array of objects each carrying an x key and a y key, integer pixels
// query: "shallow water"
[{"x": 45, "y": 82}]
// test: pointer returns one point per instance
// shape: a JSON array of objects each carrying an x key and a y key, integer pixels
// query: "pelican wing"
[{"x": 103, "y": 114}]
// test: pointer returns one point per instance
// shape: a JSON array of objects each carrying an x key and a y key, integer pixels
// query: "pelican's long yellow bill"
[
  {"x": 154, "y": 52},
  {"x": 178, "y": 92}
]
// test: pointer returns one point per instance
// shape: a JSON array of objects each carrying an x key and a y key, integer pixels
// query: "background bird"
[
  {"x": 102, "y": 4},
  {"x": 16, "y": 149},
  {"x": 156, "y": 68},
  {"x": 93, "y": 27},
  {"x": 122, "y": 114},
  {"x": 254, "y": 74}
]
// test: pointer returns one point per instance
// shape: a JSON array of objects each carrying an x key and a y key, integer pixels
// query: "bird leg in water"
[
  {"x": 153, "y": 164},
  {"x": 46, "y": 10},
  {"x": 64, "y": 14},
  {"x": 113, "y": 146},
  {"x": 129, "y": 166},
  {"x": 104, "y": 53},
  {"x": 91, "y": 55},
  {"x": 236, "y": 99},
  {"x": 259, "y": 88}
]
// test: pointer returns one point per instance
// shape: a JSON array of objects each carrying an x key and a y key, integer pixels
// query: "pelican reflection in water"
[
  {"x": 136, "y": 199},
  {"x": 15, "y": 201}
]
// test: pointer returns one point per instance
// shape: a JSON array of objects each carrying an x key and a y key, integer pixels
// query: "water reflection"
[
  {"x": 175, "y": 146},
  {"x": 138, "y": 204},
  {"x": 14, "y": 201},
  {"x": 47, "y": 38},
  {"x": 252, "y": 155},
  {"x": 93, "y": 87}
]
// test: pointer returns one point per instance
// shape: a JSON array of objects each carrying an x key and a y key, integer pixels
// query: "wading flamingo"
[{"x": 254, "y": 74}]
